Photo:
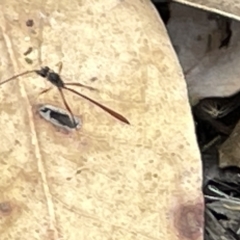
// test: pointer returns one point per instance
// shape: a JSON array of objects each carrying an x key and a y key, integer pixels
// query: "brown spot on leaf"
[
  {"x": 28, "y": 51},
  {"x": 5, "y": 208},
  {"x": 29, "y": 23},
  {"x": 188, "y": 220}
]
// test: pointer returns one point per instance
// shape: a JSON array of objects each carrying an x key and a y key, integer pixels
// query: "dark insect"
[{"x": 56, "y": 80}]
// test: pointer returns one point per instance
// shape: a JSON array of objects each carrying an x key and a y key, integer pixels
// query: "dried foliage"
[{"x": 106, "y": 180}]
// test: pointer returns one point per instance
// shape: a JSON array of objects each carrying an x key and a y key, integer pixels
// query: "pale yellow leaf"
[{"x": 107, "y": 180}]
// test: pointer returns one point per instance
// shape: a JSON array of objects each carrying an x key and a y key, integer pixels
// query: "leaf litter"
[{"x": 208, "y": 50}]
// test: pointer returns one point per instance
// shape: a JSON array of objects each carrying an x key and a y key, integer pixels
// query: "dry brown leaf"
[
  {"x": 141, "y": 181},
  {"x": 229, "y": 8},
  {"x": 208, "y": 73},
  {"x": 230, "y": 150}
]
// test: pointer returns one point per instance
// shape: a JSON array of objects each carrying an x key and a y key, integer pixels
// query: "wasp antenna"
[{"x": 16, "y": 76}]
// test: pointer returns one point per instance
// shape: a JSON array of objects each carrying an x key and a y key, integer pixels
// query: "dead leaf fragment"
[{"x": 135, "y": 178}]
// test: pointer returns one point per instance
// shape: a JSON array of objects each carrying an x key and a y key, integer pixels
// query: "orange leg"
[
  {"x": 60, "y": 66},
  {"x": 81, "y": 85},
  {"x": 44, "y": 91}
]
